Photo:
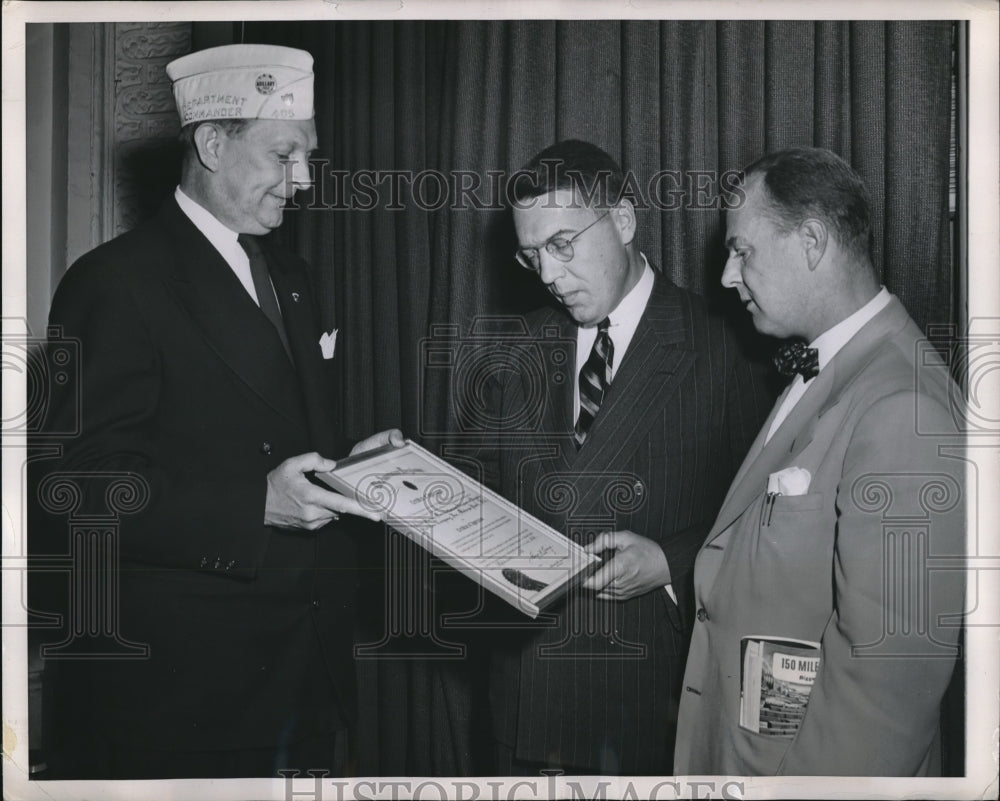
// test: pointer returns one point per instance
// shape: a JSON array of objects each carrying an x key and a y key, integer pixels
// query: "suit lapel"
[
  {"x": 788, "y": 440},
  {"x": 230, "y": 322},
  {"x": 659, "y": 356},
  {"x": 758, "y": 444},
  {"x": 557, "y": 413},
  {"x": 795, "y": 432},
  {"x": 296, "y": 299}
]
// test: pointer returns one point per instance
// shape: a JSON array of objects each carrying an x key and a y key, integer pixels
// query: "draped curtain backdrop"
[{"x": 480, "y": 96}]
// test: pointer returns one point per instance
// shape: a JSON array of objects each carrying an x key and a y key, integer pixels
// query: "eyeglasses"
[{"x": 557, "y": 247}]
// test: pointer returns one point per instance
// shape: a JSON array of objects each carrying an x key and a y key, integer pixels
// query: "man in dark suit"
[
  {"x": 636, "y": 457},
  {"x": 825, "y": 639},
  {"x": 207, "y": 390}
]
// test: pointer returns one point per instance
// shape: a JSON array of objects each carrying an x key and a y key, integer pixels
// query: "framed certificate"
[{"x": 492, "y": 541}]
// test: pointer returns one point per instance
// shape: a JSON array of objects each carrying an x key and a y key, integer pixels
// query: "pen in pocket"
[{"x": 767, "y": 508}]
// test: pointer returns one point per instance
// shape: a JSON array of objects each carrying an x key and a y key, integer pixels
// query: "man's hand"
[
  {"x": 638, "y": 566},
  {"x": 391, "y": 436},
  {"x": 293, "y": 501}
]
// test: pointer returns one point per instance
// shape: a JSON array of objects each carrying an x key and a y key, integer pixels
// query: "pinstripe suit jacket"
[{"x": 593, "y": 685}]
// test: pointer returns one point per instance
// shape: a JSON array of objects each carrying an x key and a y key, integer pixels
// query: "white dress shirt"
[
  {"x": 222, "y": 238},
  {"x": 624, "y": 320},
  {"x": 827, "y": 346}
]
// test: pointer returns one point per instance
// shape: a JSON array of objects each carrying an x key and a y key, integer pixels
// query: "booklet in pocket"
[{"x": 776, "y": 677}]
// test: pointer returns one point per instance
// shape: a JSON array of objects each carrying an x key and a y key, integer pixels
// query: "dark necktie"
[
  {"x": 595, "y": 378},
  {"x": 794, "y": 358},
  {"x": 262, "y": 286}
]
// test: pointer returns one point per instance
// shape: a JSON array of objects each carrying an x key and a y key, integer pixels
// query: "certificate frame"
[{"x": 470, "y": 527}]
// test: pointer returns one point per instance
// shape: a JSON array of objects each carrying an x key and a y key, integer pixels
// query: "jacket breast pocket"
[
  {"x": 794, "y": 544},
  {"x": 797, "y": 516},
  {"x": 790, "y": 504}
]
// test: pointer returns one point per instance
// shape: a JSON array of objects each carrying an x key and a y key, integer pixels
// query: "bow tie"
[{"x": 794, "y": 358}]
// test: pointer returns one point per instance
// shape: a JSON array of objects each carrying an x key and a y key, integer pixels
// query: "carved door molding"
[{"x": 122, "y": 154}]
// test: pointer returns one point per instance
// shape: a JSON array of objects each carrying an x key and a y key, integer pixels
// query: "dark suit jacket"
[
  {"x": 845, "y": 564},
  {"x": 594, "y": 684},
  {"x": 185, "y": 385}
]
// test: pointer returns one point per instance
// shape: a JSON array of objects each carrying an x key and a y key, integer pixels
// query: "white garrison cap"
[{"x": 266, "y": 82}]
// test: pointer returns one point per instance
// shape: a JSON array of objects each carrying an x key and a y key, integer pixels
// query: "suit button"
[
  {"x": 265, "y": 448},
  {"x": 702, "y": 615}
]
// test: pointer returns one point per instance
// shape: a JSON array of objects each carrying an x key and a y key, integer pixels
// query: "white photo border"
[{"x": 983, "y": 246}]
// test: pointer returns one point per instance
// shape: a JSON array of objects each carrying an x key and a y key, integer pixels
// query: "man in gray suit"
[
  {"x": 635, "y": 453},
  {"x": 824, "y": 640}
]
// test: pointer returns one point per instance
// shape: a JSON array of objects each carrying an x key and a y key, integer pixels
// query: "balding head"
[{"x": 799, "y": 243}]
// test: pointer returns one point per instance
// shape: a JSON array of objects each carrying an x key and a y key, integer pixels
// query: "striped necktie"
[
  {"x": 595, "y": 378},
  {"x": 263, "y": 287}
]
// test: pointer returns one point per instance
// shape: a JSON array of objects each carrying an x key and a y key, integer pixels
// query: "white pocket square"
[
  {"x": 790, "y": 481},
  {"x": 328, "y": 344}
]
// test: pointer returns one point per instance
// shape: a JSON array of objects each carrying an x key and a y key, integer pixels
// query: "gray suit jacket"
[{"x": 844, "y": 564}]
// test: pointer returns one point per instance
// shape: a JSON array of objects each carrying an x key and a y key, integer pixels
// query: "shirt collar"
[
  {"x": 218, "y": 234},
  {"x": 832, "y": 340},
  {"x": 630, "y": 308}
]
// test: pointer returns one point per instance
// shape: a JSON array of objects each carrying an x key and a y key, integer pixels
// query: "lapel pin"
[{"x": 295, "y": 297}]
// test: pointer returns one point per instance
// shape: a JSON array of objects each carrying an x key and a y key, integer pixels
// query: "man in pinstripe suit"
[{"x": 639, "y": 453}]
